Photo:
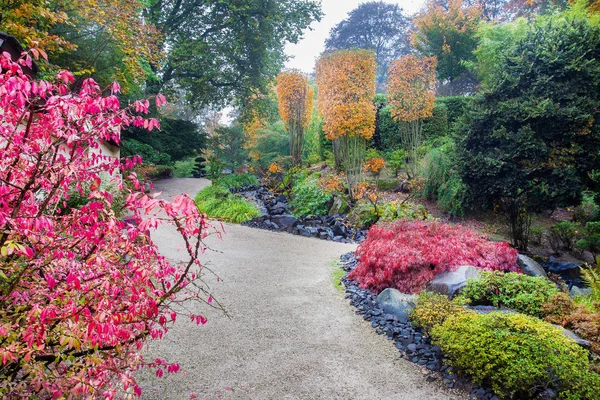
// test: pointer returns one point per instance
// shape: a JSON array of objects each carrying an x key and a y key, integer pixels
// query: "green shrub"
[
  {"x": 396, "y": 160},
  {"x": 387, "y": 185},
  {"x": 564, "y": 232},
  {"x": 160, "y": 172},
  {"x": 436, "y": 127},
  {"x": 363, "y": 215},
  {"x": 455, "y": 107},
  {"x": 308, "y": 198},
  {"x": 518, "y": 355},
  {"x": 591, "y": 238},
  {"x": 132, "y": 147},
  {"x": 184, "y": 168},
  {"x": 218, "y": 202},
  {"x": 519, "y": 292},
  {"x": 237, "y": 181},
  {"x": 395, "y": 210},
  {"x": 536, "y": 234},
  {"x": 588, "y": 210},
  {"x": 453, "y": 196},
  {"x": 432, "y": 309}
]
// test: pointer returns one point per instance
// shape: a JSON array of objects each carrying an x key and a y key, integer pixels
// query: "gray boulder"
[
  {"x": 491, "y": 309},
  {"x": 577, "y": 291},
  {"x": 396, "y": 303},
  {"x": 530, "y": 267},
  {"x": 573, "y": 336},
  {"x": 450, "y": 283},
  {"x": 339, "y": 206}
]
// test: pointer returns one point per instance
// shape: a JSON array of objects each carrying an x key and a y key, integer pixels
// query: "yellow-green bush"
[
  {"x": 518, "y": 355},
  {"x": 432, "y": 309},
  {"x": 218, "y": 202},
  {"x": 520, "y": 292}
]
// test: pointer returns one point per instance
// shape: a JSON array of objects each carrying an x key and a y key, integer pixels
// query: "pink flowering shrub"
[
  {"x": 406, "y": 255},
  {"x": 80, "y": 289}
]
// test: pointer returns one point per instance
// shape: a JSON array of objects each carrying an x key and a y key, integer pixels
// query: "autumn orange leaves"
[
  {"x": 295, "y": 102},
  {"x": 346, "y": 82}
]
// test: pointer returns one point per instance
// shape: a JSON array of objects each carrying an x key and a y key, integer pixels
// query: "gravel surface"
[{"x": 291, "y": 334}]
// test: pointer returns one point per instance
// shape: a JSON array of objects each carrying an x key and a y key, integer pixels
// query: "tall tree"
[
  {"x": 533, "y": 136},
  {"x": 377, "y": 26},
  {"x": 346, "y": 87},
  {"x": 411, "y": 98},
  {"x": 448, "y": 33},
  {"x": 295, "y": 99},
  {"x": 221, "y": 51}
]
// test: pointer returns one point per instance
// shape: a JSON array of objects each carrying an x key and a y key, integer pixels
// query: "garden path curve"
[{"x": 291, "y": 335}]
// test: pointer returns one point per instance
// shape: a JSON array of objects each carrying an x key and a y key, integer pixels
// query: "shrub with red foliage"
[{"x": 406, "y": 255}]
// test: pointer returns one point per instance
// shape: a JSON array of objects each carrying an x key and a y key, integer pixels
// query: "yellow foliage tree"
[
  {"x": 33, "y": 23},
  {"x": 346, "y": 88},
  {"x": 295, "y": 101},
  {"x": 411, "y": 98}
]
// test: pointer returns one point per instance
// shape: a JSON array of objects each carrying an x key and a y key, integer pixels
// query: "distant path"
[{"x": 292, "y": 334}]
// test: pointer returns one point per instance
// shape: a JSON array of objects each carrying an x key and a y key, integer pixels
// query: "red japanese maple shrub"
[
  {"x": 81, "y": 290},
  {"x": 406, "y": 255}
]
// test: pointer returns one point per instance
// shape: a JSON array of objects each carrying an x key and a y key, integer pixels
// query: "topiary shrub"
[
  {"x": 520, "y": 356},
  {"x": 406, "y": 255},
  {"x": 308, "y": 198},
  {"x": 218, "y": 202},
  {"x": 522, "y": 293}
]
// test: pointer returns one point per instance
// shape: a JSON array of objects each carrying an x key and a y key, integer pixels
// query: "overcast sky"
[{"x": 305, "y": 53}]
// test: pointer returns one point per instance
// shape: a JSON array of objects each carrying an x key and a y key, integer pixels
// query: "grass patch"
[
  {"x": 218, "y": 202},
  {"x": 337, "y": 273},
  {"x": 236, "y": 181}
]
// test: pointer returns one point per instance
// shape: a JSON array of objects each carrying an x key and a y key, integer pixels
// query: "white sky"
[{"x": 305, "y": 53}]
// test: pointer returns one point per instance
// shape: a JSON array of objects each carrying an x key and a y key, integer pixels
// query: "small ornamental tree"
[
  {"x": 295, "y": 99},
  {"x": 406, "y": 255},
  {"x": 346, "y": 88},
  {"x": 81, "y": 290},
  {"x": 411, "y": 99}
]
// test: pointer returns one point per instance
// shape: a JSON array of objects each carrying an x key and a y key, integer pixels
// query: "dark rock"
[
  {"x": 286, "y": 222},
  {"x": 530, "y": 267},
  {"x": 573, "y": 336},
  {"x": 570, "y": 272},
  {"x": 450, "y": 283}
]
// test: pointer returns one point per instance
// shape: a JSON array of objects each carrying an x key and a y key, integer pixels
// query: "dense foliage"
[
  {"x": 520, "y": 356},
  {"x": 80, "y": 289},
  {"x": 308, "y": 198},
  {"x": 522, "y": 293},
  {"x": 533, "y": 136},
  {"x": 236, "y": 181},
  {"x": 406, "y": 255}
]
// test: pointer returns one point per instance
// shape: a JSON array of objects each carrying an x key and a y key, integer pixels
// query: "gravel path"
[{"x": 291, "y": 335}]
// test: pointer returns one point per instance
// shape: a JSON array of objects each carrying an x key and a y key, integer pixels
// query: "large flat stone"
[{"x": 450, "y": 283}]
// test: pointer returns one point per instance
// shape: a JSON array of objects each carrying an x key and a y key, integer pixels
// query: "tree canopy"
[{"x": 377, "y": 26}]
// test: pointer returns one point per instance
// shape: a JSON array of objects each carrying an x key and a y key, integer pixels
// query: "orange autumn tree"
[
  {"x": 411, "y": 97},
  {"x": 346, "y": 87},
  {"x": 295, "y": 100}
]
